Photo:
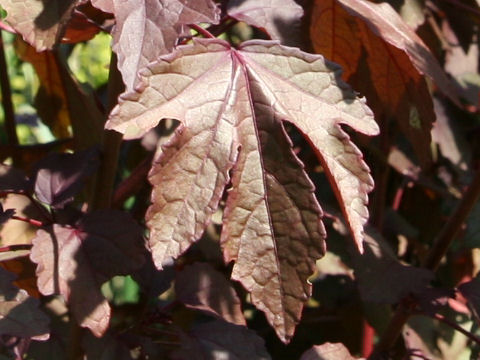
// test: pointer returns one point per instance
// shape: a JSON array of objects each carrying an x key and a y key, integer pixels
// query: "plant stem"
[
  {"x": 455, "y": 326},
  {"x": 454, "y": 224},
  {"x": 27, "y": 220},
  {"x": 133, "y": 183},
  {"x": 10, "y": 125},
  {"x": 438, "y": 251},
  {"x": 111, "y": 144},
  {"x": 202, "y": 31},
  {"x": 15, "y": 247}
]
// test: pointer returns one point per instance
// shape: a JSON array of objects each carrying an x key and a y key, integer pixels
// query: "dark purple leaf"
[
  {"x": 471, "y": 291},
  {"x": 13, "y": 179},
  {"x": 218, "y": 340},
  {"x": 5, "y": 214},
  {"x": 19, "y": 313},
  {"x": 431, "y": 300},
  {"x": 381, "y": 277},
  {"x": 61, "y": 176},
  {"x": 106, "y": 348},
  {"x": 76, "y": 261},
  {"x": 201, "y": 287}
]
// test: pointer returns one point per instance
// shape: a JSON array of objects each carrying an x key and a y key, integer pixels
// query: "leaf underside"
[{"x": 231, "y": 104}]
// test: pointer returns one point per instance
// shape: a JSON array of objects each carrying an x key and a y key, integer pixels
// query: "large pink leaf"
[
  {"x": 146, "y": 29},
  {"x": 76, "y": 261},
  {"x": 41, "y": 23},
  {"x": 280, "y": 18},
  {"x": 231, "y": 103}
]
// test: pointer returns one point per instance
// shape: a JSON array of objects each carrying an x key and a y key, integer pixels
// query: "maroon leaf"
[
  {"x": 76, "y": 261},
  {"x": 432, "y": 300},
  {"x": 280, "y": 18},
  {"x": 228, "y": 99},
  {"x": 12, "y": 179},
  {"x": 146, "y": 29},
  {"x": 105, "y": 348},
  {"x": 19, "y": 313},
  {"x": 61, "y": 102},
  {"x": 200, "y": 287},
  {"x": 386, "y": 61},
  {"x": 471, "y": 291},
  {"x": 218, "y": 340},
  {"x": 327, "y": 351},
  {"x": 389, "y": 26},
  {"x": 392, "y": 279},
  {"x": 41, "y": 23},
  {"x": 61, "y": 176},
  {"x": 79, "y": 28},
  {"x": 5, "y": 214}
]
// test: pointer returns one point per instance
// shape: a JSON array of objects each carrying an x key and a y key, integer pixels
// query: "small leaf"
[
  {"x": 228, "y": 100},
  {"x": 200, "y": 287},
  {"x": 41, "y": 23},
  {"x": 76, "y": 261},
  {"x": 146, "y": 29},
  {"x": 79, "y": 28},
  {"x": 328, "y": 351},
  {"x": 19, "y": 313},
  {"x": 280, "y": 18},
  {"x": 61, "y": 176},
  {"x": 217, "y": 340}
]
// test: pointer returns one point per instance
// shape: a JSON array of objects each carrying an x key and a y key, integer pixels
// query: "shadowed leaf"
[
  {"x": 105, "y": 348},
  {"x": 146, "y": 29},
  {"x": 280, "y": 18},
  {"x": 61, "y": 176},
  {"x": 231, "y": 104},
  {"x": 13, "y": 179},
  {"x": 41, "y": 23},
  {"x": 60, "y": 100},
  {"x": 19, "y": 313},
  {"x": 79, "y": 28},
  {"x": 219, "y": 340},
  {"x": 76, "y": 261},
  {"x": 200, "y": 287},
  {"x": 392, "y": 279},
  {"x": 471, "y": 291}
]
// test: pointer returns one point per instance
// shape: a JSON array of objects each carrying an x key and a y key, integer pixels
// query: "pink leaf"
[
  {"x": 231, "y": 104},
  {"x": 146, "y": 29},
  {"x": 41, "y": 23},
  {"x": 280, "y": 18}
]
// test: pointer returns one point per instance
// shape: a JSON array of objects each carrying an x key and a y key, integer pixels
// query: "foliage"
[{"x": 248, "y": 179}]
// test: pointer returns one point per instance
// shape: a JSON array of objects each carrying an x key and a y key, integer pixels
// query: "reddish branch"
[
  {"x": 438, "y": 251},
  {"x": 201, "y": 30}
]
